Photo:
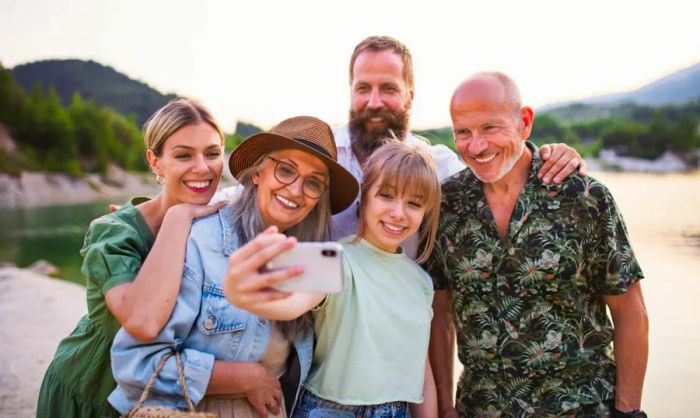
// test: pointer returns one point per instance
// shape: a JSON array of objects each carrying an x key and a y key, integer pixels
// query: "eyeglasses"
[{"x": 287, "y": 174}]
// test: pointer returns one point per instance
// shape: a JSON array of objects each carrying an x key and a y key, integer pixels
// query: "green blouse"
[{"x": 79, "y": 379}]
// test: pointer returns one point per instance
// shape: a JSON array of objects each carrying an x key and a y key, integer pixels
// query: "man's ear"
[{"x": 527, "y": 117}]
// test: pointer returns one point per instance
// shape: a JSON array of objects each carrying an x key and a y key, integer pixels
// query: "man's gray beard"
[
  {"x": 364, "y": 143},
  {"x": 505, "y": 168}
]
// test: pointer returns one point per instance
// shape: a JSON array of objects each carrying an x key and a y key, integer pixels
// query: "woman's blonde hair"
[
  {"x": 410, "y": 170},
  {"x": 173, "y": 116}
]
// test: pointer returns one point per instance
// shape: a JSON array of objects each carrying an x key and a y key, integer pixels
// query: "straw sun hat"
[{"x": 304, "y": 133}]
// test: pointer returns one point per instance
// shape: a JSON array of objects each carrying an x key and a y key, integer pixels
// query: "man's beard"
[{"x": 364, "y": 142}]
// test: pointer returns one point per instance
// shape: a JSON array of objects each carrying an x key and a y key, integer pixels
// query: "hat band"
[{"x": 315, "y": 146}]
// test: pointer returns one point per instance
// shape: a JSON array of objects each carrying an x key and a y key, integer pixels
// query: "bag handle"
[{"x": 154, "y": 376}]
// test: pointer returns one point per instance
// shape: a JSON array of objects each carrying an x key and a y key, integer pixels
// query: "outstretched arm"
[
  {"x": 631, "y": 344},
  {"x": 144, "y": 305},
  {"x": 248, "y": 287},
  {"x": 441, "y": 352},
  {"x": 560, "y": 160}
]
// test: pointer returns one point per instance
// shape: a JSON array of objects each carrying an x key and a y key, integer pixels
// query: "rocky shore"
[
  {"x": 36, "y": 312},
  {"x": 32, "y": 189}
]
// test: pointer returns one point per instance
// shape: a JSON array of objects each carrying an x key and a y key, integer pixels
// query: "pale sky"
[{"x": 263, "y": 61}]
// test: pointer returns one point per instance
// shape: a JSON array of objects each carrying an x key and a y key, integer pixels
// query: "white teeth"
[
  {"x": 197, "y": 184},
  {"x": 376, "y": 119},
  {"x": 287, "y": 202},
  {"x": 393, "y": 228},
  {"x": 486, "y": 159}
]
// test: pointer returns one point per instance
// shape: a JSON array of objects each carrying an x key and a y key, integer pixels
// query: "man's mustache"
[{"x": 365, "y": 115}]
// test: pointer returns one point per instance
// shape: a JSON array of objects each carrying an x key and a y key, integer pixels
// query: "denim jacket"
[{"x": 203, "y": 327}]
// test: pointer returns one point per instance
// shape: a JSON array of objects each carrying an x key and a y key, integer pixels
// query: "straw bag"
[{"x": 140, "y": 411}]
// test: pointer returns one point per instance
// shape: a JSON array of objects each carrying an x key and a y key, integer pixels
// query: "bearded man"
[{"x": 381, "y": 92}]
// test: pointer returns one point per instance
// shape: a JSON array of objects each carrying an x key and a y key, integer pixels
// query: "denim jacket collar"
[{"x": 230, "y": 238}]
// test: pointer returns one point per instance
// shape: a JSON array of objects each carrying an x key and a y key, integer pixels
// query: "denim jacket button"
[{"x": 210, "y": 323}]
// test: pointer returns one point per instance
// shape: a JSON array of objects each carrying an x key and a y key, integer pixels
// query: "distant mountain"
[
  {"x": 245, "y": 130},
  {"x": 94, "y": 81},
  {"x": 678, "y": 88}
]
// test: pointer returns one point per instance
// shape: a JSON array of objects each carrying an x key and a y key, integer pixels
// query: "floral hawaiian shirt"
[{"x": 532, "y": 329}]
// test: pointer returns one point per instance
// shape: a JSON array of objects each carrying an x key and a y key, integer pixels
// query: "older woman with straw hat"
[{"x": 291, "y": 184}]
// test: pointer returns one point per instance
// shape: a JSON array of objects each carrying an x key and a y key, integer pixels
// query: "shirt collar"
[
  {"x": 342, "y": 137},
  {"x": 230, "y": 238}
]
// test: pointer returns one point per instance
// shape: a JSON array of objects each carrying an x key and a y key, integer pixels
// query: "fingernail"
[{"x": 547, "y": 179}]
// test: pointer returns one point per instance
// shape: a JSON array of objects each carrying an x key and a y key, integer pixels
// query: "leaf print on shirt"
[{"x": 532, "y": 329}]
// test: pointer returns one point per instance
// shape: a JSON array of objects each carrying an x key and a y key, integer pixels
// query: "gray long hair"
[{"x": 248, "y": 223}]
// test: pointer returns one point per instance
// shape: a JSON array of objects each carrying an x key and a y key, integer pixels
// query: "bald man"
[{"x": 524, "y": 271}]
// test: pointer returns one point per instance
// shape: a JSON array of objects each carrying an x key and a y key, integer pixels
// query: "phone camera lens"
[{"x": 328, "y": 253}]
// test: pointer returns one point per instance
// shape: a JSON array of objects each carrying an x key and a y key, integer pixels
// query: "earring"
[{"x": 160, "y": 179}]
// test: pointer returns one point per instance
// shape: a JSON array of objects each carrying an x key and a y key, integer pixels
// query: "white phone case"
[{"x": 323, "y": 267}]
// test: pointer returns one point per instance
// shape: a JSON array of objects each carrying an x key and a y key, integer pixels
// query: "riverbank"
[
  {"x": 40, "y": 189},
  {"x": 36, "y": 312},
  {"x": 34, "y": 189}
]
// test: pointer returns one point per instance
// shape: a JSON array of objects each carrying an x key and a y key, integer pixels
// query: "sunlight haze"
[{"x": 263, "y": 61}]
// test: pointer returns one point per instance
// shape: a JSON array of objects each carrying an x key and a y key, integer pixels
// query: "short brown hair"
[
  {"x": 408, "y": 169},
  {"x": 384, "y": 43},
  {"x": 176, "y": 114}
]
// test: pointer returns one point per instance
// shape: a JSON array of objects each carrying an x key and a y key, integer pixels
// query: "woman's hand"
[
  {"x": 246, "y": 283},
  {"x": 251, "y": 379},
  {"x": 194, "y": 211},
  {"x": 266, "y": 394},
  {"x": 560, "y": 160}
]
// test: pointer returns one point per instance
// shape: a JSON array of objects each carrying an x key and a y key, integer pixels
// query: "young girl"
[{"x": 372, "y": 338}]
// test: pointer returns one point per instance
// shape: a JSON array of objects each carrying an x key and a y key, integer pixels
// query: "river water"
[{"x": 662, "y": 213}]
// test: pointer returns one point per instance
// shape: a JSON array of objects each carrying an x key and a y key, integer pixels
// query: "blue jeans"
[{"x": 311, "y": 406}]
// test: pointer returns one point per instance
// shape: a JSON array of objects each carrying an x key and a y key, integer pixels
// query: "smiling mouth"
[
  {"x": 286, "y": 202},
  {"x": 392, "y": 228},
  {"x": 199, "y": 186},
  {"x": 486, "y": 158}
]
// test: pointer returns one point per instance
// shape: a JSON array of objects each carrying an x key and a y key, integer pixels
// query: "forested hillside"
[
  {"x": 75, "y": 138},
  {"x": 94, "y": 81}
]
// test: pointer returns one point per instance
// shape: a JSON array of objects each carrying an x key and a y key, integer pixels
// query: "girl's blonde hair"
[
  {"x": 410, "y": 170},
  {"x": 173, "y": 116}
]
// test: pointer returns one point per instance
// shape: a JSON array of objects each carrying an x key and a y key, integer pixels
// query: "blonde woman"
[{"x": 133, "y": 260}]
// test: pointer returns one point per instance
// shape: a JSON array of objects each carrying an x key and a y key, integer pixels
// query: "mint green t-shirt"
[{"x": 372, "y": 338}]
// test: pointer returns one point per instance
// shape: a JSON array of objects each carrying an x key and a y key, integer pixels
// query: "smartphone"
[{"x": 323, "y": 267}]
